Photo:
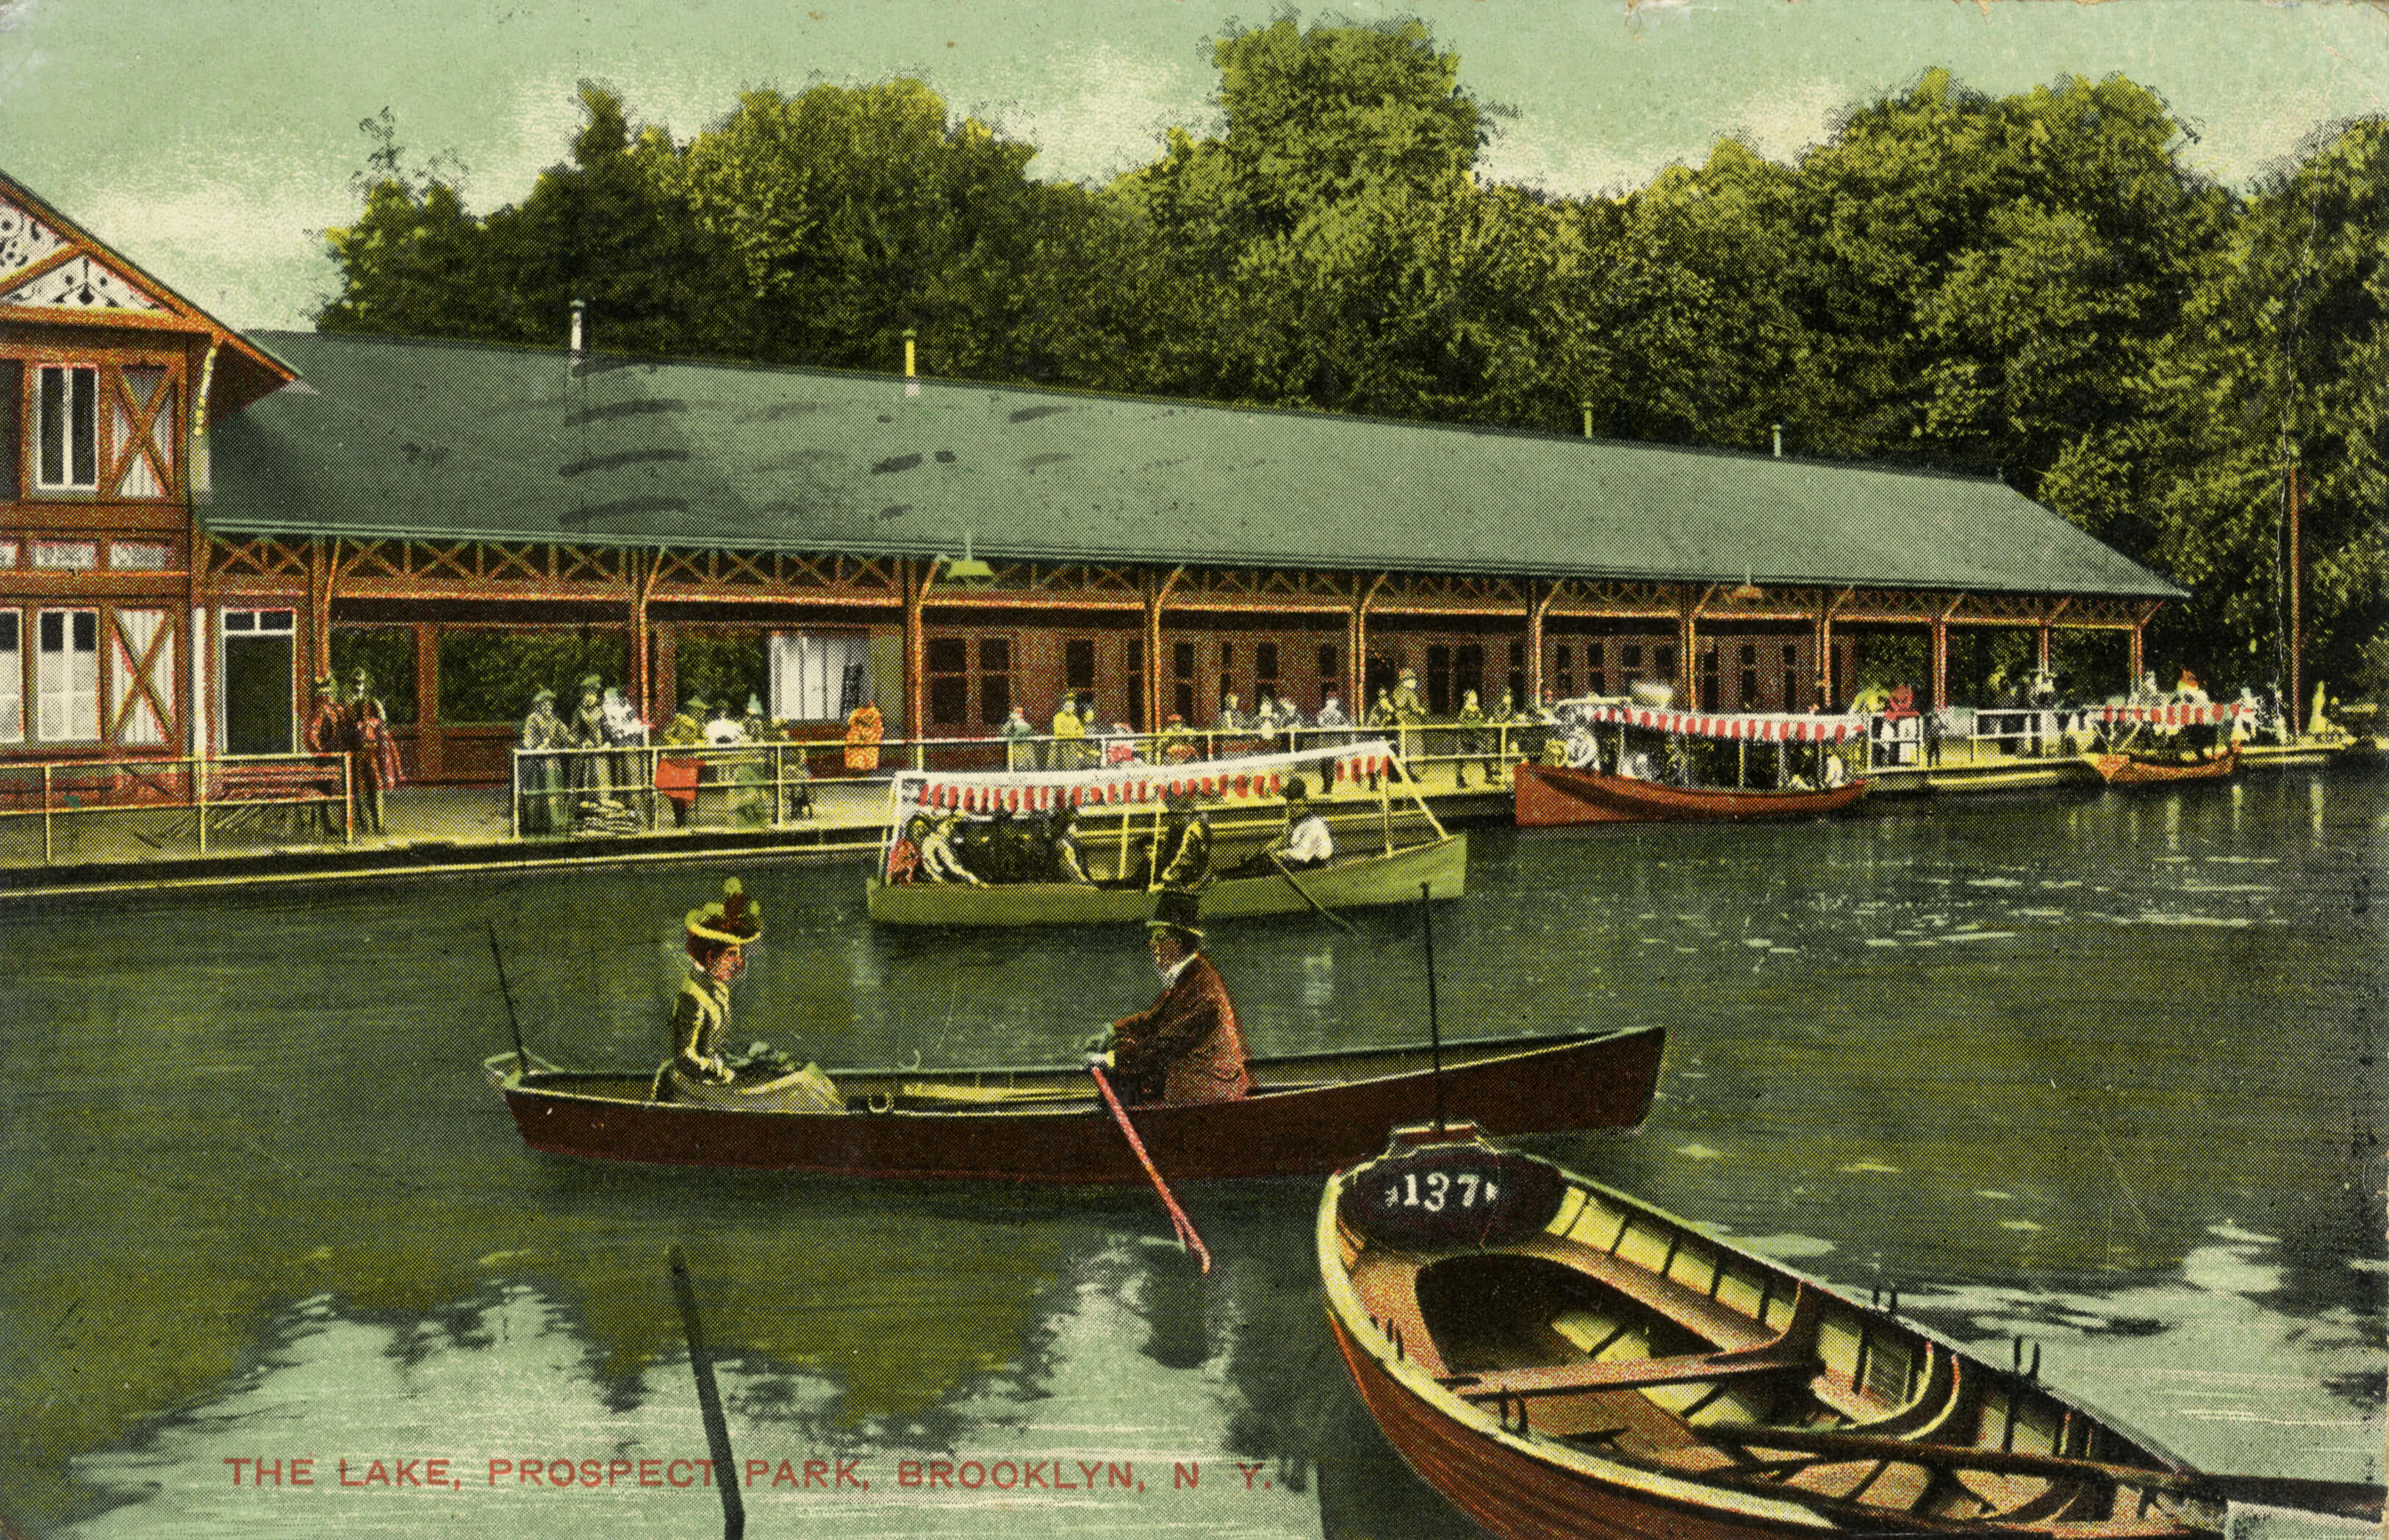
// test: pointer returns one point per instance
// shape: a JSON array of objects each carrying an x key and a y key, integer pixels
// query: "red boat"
[
  {"x": 2143, "y": 769},
  {"x": 1558, "y": 1358},
  {"x": 1312, "y": 1113},
  {"x": 1548, "y": 796}
]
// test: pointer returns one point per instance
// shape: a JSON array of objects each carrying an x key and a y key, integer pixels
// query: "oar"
[
  {"x": 522, "y": 1057},
  {"x": 1434, "y": 1026},
  {"x": 709, "y": 1402},
  {"x": 1284, "y": 871},
  {"x": 1185, "y": 1225}
]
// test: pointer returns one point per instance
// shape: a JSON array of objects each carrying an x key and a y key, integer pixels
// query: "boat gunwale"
[
  {"x": 1720, "y": 800},
  {"x": 504, "y": 1072}
]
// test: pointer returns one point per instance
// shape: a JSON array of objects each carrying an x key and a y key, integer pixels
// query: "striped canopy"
[{"x": 1115, "y": 785}]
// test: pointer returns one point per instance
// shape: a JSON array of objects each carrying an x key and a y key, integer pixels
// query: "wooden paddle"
[
  {"x": 708, "y": 1400},
  {"x": 2344, "y": 1499},
  {"x": 1283, "y": 871},
  {"x": 1185, "y": 1227}
]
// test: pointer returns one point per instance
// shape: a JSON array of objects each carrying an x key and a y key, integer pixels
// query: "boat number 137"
[{"x": 1431, "y": 1193}]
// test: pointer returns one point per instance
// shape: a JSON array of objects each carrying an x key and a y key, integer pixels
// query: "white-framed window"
[
  {"x": 67, "y": 556},
  {"x": 139, "y": 556},
  {"x": 12, "y": 677},
  {"x": 65, "y": 427},
  {"x": 65, "y": 676},
  {"x": 819, "y": 679}
]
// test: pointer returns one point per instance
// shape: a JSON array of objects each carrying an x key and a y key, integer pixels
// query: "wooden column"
[
  {"x": 428, "y": 749},
  {"x": 1537, "y": 607},
  {"x": 1941, "y": 654},
  {"x": 2048, "y": 627},
  {"x": 1358, "y": 665},
  {"x": 2140, "y": 642},
  {"x": 916, "y": 576},
  {"x": 637, "y": 571},
  {"x": 1154, "y": 715}
]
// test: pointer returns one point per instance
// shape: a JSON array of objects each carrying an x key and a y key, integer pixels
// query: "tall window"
[
  {"x": 65, "y": 427},
  {"x": 12, "y": 678},
  {"x": 1517, "y": 685},
  {"x": 949, "y": 670},
  {"x": 1181, "y": 669},
  {"x": 994, "y": 680},
  {"x": 1749, "y": 681},
  {"x": 1078, "y": 662},
  {"x": 1564, "y": 673},
  {"x": 1596, "y": 677},
  {"x": 65, "y": 676}
]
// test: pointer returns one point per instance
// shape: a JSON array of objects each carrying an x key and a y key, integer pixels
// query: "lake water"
[{"x": 2098, "y": 1070}]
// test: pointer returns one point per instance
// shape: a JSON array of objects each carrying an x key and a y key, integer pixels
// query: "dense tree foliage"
[{"x": 2033, "y": 285}]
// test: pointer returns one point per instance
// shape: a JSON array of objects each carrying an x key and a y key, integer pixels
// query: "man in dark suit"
[{"x": 1185, "y": 1046}]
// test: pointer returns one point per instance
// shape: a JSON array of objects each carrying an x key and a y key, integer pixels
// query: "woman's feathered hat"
[{"x": 733, "y": 921}]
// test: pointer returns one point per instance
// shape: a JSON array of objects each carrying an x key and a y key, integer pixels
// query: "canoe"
[
  {"x": 1312, "y": 1113},
  {"x": 1348, "y": 882},
  {"x": 1549, "y": 796},
  {"x": 2141, "y": 769},
  {"x": 1559, "y": 1358}
]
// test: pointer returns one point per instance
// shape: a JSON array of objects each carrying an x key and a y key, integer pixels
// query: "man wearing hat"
[
  {"x": 1306, "y": 842},
  {"x": 1185, "y": 1046},
  {"x": 719, "y": 934},
  {"x": 373, "y": 752},
  {"x": 1181, "y": 857},
  {"x": 327, "y": 733}
]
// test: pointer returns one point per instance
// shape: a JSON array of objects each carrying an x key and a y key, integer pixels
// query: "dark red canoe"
[
  {"x": 1548, "y": 796},
  {"x": 1312, "y": 1113}
]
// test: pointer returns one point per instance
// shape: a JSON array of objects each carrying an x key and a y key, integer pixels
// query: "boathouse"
[{"x": 471, "y": 522}]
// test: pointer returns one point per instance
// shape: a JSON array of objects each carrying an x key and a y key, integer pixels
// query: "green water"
[{"x": 2096, "y": 1070}]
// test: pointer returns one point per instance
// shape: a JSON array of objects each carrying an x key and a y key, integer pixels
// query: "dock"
[{"x": 469, "y": 829}]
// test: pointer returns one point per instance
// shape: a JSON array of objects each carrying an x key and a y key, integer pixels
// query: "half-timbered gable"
[{"x": 106, "y": 378}]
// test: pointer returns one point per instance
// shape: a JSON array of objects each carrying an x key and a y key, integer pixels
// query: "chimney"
[{"x": 1779, "y": 440}]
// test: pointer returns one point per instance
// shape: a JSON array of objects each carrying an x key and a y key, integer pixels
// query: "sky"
[{"x": 212, "y": 141}]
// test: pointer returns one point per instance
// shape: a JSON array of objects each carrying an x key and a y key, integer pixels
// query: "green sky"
[{"x": 213, "y": 139}]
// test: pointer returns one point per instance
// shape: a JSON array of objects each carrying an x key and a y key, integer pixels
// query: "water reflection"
[{"x": 2100, "y": 1070}]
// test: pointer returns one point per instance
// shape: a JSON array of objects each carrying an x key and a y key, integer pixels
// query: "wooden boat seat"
[{"x": 1628, "y": 1373}]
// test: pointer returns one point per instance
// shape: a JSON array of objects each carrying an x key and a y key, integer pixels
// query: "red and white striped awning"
[
  {"x": 1126, "y": 784},
  {"x": 2177, "y": 713},
  {"x": 1753, "y": 727}
]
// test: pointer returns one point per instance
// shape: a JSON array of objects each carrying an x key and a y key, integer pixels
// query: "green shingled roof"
[{"x": 387, "y": 437}]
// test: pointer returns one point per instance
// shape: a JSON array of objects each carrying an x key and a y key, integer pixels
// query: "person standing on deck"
[
  {"x": 328, "y": 734},
  {"x": 1471, "y": 740},
  {"x": 1069, "y": 736},
  {"x": 373, "y": 752},
  {"x": 1185, "y": 1047},
  {"x": 1015, "y": 732},
  {"x": 541, "y": 772},
  {"x": 863, "y": 729}
]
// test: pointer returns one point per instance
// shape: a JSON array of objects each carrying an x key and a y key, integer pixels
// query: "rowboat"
[
  {"x": 2143, "y": 769},
  {"x": 1350, "y": 881},
  {"x": 1387, "y": 841},
  {"x": 1552, "y": 796},
  {"x": 1559, "y": 1358},
  {"x": 1312, "y": 1113}
]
